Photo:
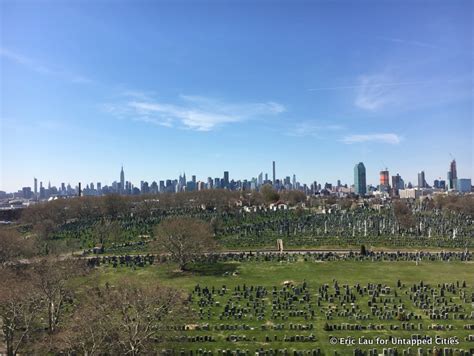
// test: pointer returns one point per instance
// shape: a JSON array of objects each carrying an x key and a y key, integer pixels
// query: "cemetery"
[
  {"x": 239, "y": 229},
  {"x": 210, "y": 278},
  {"x": 295, "y": 304}
]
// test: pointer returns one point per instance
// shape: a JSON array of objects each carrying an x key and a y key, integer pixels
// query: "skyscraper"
[
  {"x": 421, "y": 180},
  {"x": 397, "y": 184},
  {"x": 122, "y": 180},
  {"x": 226, "y": 179},
  {"x": 452, "y": 175},
  {"x": 384, "y": 178},
  {"x": 360, "y": 184},
  {"x": 274, "y": 179},
  {"x": 36, "y": 188}
]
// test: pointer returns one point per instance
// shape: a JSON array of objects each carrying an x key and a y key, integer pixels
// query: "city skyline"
[
  {"x": 389, "y": 183},
  {"x": 205, "y": 87}
]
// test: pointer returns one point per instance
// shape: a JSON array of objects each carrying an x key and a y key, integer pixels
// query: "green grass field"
[{"x": 267, "y": 331}]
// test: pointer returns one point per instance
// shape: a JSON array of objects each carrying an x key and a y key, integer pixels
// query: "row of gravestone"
[
  {"x": 149, "y": 259},
  {"x": 382, "y": 312},
  {"x": 317, "y": 352}
]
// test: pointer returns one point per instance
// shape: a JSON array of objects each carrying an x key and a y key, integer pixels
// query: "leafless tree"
[
  {"x": 126, "y": 319},
  {"x": 13, "y": 246},
  {"x": 114, "y": 205},
  {"x": 20, "y": 304},
  {"x": 293, "y": 197},
  {"x": 269, "y": 194},
  {"x": 50, "y": 278},
  {"x": 106, "y": 232},
  {"x": 403, "y": 214},
  {"x": 184, "y": 239}
]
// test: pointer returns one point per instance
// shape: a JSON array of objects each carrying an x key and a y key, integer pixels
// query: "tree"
[
  {"x": 184, "y": 239},
  {"x": 346, "y": 204},
  {"x": 363, "y": 250},
  {"x": 293, "y": 197},
  {"x": 216, "y": 224},
  {"x": 44, "y": 231},
  {"x": 269, "y": 194},
  {"x": 89, "y": 328},
  {"x": 51, "y": 281},
  {"x": 113, "y": 205},
  {"x": 403, "y": 214},
  {"x": 19, "y": 307},
  {"x": 126, "y": 319},
  {"x": 106, "y": 232},
  {"x": 13, "y": 246}
]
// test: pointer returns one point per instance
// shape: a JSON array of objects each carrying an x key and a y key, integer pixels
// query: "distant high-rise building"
[
  {"x": 153, "y": 187},
  {"x": 439, "y": 184},
  {"x": 26, "y": 192},
  {"x": 453, "y": 169},
  {"x": 200, "y": 185},
  {"x": 42, "y": 191},
  {"x": 421, "y": 180},
  {"x": 397, "y": 184},
  {"x": 452, "y": 175},
  {"x": 122, "y": 180},
  {"x": 260, "y": 179},
  {"x": 226, "y": 179},
  {"x": 274, "y": 175},
  {"x": 36, "y": 187},
  {"x": 210, "y": 183},
  {"x": 384, "y": 179},
  {"x": 360, "y": 184},
  {"x": 442, "y": 184},
  {"x": 463, "y": 185}
]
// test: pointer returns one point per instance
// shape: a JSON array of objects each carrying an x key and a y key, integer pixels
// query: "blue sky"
[{"x": 205, "y": 86}]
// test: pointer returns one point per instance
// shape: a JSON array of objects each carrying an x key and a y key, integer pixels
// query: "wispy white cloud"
[
  {"x": 42, "y": 69},
  {"x": 20, "y": 59},
  {"x": 385, "y": 89},
  {"x": 312, "y": 128},
  {"x": 193, "y": 112},
  {"x": 389, "y": 138},
  {"x": 363, "y": 84},
  {"x": 373, "y": 92},
  {"x": 408, "y": 42}
]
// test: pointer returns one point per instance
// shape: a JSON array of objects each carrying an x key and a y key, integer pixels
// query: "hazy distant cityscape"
[{"x": 394, "y": 186}]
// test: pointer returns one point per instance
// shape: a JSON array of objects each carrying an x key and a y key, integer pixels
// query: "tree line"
[{"x": 45, "y": 309}]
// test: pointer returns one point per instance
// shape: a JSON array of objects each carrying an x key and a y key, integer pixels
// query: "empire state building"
[{"x": 122, "y": 180}]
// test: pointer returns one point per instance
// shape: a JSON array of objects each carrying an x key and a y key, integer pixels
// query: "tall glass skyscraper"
[
  {"x": 360, "y": 184},
  {"x": 452, "y": 175}
]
